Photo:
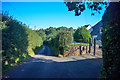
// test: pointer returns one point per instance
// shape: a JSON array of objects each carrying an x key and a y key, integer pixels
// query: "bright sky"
[{"x": 46, "y": 14}]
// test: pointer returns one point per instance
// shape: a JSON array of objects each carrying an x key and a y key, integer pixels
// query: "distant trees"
[
  {"x": 71, "y": 29},
  {"x": 42, "y": 34},
  {"x": 62, "y": 29},
  {"x": 58, "y": 38},
  {"x": 82, "y": 35},
  {"x": 50, "y": 31}
]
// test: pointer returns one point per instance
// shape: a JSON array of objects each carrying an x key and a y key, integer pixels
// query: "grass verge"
[{"x": 79, "y": 44}]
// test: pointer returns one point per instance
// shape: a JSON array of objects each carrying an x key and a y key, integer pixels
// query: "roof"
[
  {"x": 99, "y": 36},
  {"x": 96, "y": 28},
  {"x": 86, "y": 25}
]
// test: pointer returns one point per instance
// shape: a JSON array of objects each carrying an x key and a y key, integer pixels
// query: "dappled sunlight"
[{"x": 43, "y": 58}]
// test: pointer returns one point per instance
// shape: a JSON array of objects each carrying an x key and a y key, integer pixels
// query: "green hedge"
[
  {"x": 41, "y": 33},
  {"x": 110, "y": 41},
  {"x": 59, "y": 42},
  {"x": 65, "y": 39},
  {"x": 18, "y": 42},
  {"x": 79, "y": 44}
]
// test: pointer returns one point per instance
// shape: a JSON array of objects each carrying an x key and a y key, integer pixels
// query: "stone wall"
[{"x": 75, "y": 51}]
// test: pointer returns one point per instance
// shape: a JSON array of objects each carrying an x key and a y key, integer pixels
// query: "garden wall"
[{"x": 81, "y": 50}]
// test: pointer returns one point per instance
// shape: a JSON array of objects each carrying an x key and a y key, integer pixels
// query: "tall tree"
[{"x": 82, "y": 34}]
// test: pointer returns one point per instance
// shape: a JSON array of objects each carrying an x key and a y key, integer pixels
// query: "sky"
[{"x": 49, "y": 14}]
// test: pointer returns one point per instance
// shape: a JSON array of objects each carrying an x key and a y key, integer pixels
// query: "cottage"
[
  {"x": 96, "y": 33},
  {"x": 89, "y": 28}
]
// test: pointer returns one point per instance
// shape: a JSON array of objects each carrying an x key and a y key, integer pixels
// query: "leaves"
[
  {"x": 110, "y": 41},
  {"x": 83, "y": 34},
  {"x": 80, "y": 6},
  {"x": 18, "y": 42}
]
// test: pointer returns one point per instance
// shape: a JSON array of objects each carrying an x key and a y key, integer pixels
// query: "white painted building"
[
  {"x": 89, "y": 28},
  {"x": 96, "y": 33}
]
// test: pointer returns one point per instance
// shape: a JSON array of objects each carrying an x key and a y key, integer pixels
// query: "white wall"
[
  {"x": 88, "y": 27},
  {"x": 98, "y": 42}
]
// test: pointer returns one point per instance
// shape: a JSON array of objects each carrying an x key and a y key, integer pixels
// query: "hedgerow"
[
  {"x": 18, "y": 42},
  {"x": 59, "y": 42},
  {"x": 110, "y": 41}
]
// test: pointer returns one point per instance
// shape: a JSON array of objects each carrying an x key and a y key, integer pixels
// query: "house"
[
  {"x": 96, "y": 33},
  {"x": 73, "y": 38},
  {"x": 89, "y": 28}
]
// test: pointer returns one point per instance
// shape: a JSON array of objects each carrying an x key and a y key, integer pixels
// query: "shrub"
[
  {"x": 41, "y": 34},
  {"x": 59, "y": 42},
  {"x": 65, "y": 38},
  {"x": 110, "y": 42},
  {"x": 18, "y": 43},
  {"x": 53, "y": 43},
  {"x": 82, "y": 35}
]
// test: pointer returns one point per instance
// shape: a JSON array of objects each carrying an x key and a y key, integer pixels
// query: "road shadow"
[
  {"x": 37, "y": 49},
  {"x": 47, "y": 68}
]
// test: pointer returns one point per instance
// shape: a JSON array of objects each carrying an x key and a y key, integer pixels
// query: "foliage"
[
  {"x": 79, "y": 7},
  {"x": 71, "y": 29},
  {"x": 54, "y": 38},
  {"x": 53, "y": 43},
  {"x": 42, "y": 34},
  {"x": 50, "y": 32},
  {"x": 82, "y": 35},
  {"x": 110, "y": 36},
  {"x": 65, "y": 38},
  {"x": 62, "y": 29},
  {"x": 58, "y": 42},
  {"x": 18, "y": 42},
  {"x": 79, "y": 44},
  {"x": 110, "y": 41}
]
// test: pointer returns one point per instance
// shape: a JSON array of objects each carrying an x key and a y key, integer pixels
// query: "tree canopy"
[
  {"x": 79, "y": 7},
  {"x": 82, "y": 34}
]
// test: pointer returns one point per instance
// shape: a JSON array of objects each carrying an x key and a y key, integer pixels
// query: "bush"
[
  {"x": 110, "y": 42},
  {"x": 59, "y": 42},
  {"x": 53, "y": 43},
  {"x": 65, "y": 38},
  {"x": 41, "y": 34},
  {"x": 82, "y": 35},
  {"x": 18, "y": 43}
]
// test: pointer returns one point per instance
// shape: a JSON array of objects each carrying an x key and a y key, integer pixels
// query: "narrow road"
[{"x": 45, "y": 65}]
